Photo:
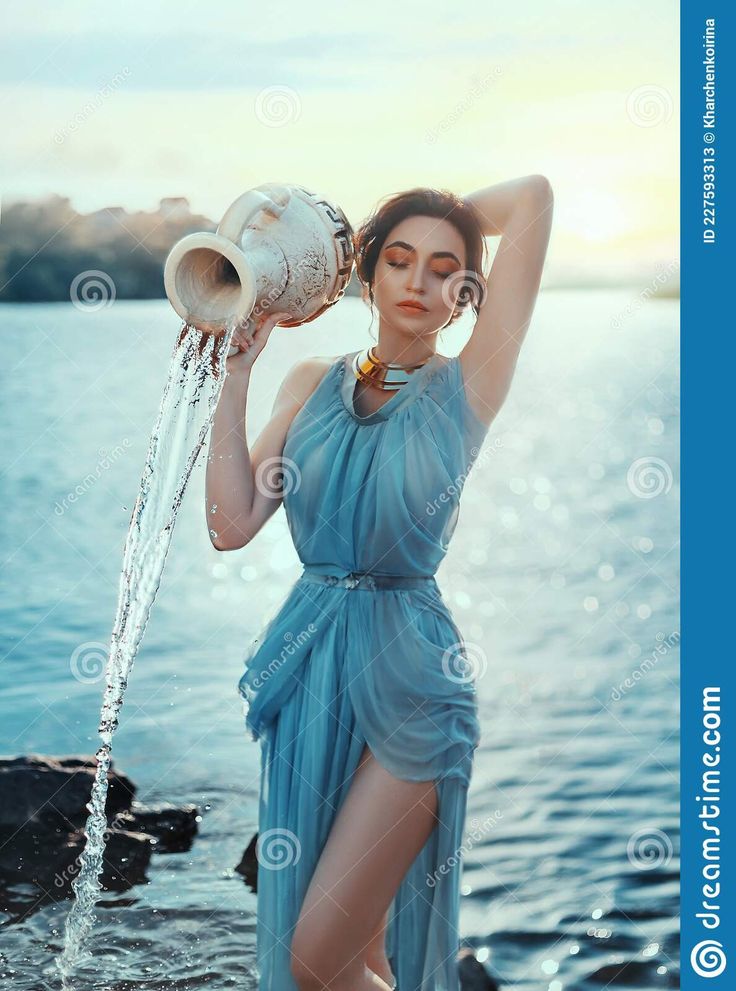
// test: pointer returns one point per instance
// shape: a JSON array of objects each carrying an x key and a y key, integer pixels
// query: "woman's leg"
[
  {"x": 375, "y": 953},
  {"x": 380, "y": 828}
]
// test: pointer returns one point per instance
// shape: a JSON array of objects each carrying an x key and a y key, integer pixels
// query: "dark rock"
[
  {"x": 127, "y": 856},
  {"x": 174, "y": 827},
  {"x": 53, "y": 792},
  {"x": 248, "y": 865},
  {"x": 473, "y": 975},
  {"x": 49, "y": 861},
  {"x": 43, "y": 810}
]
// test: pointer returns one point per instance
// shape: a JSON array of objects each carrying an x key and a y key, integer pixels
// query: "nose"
[{"x": 415, "y": 279}]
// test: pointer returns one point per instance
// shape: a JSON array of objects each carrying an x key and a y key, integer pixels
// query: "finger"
[
  {"x": 262, "y": 324},
  {"x": 273, "y": 318},
  {"x": 245, "y": 325},
  {"x": 255, "y": 327}
]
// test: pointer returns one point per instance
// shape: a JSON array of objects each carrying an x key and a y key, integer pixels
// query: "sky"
[{"x": 123, "y": 105}]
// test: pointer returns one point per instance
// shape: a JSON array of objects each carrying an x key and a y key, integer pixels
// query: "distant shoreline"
[{"x": 47, "y": 248}]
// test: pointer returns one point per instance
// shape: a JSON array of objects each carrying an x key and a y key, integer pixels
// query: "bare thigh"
[{"x": 380, "y": 828}]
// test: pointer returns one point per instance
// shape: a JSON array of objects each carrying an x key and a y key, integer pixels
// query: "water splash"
[{"x": 196, "y": 377}]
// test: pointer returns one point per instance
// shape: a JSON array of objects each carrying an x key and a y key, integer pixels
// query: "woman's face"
[{"x": 416, "y": 264}]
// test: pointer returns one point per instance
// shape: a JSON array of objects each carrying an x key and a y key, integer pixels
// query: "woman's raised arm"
[{"x": 520, "y": 210}]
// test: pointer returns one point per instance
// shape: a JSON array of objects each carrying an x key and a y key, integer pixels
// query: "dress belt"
[{"x": 368, "y": 580}]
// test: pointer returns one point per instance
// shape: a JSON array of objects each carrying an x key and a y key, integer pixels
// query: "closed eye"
[{"x": 440, "y": 275}]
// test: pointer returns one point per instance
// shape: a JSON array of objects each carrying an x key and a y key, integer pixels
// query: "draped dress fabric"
[{"x": 339, "y": 666}]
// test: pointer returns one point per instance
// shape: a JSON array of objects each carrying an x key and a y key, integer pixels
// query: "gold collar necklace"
[{"x": 368, "y": 368}]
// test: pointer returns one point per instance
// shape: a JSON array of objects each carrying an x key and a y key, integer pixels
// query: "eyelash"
[{"x": 440, "y": 275}]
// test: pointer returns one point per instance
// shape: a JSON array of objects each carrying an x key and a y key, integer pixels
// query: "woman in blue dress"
[{"x": 360, "y": 689}]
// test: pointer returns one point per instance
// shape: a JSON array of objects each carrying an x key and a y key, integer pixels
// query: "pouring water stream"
[{"x": 196, "y": 376}]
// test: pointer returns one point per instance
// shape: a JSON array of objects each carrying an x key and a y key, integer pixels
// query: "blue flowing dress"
[{"x": 364, "y": 649}]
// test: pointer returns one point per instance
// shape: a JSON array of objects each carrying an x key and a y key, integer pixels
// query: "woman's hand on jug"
[{"x": 250, "y": 337}]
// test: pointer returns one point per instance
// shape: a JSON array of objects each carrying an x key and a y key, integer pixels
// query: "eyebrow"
[{"x": 435, "y": 254}]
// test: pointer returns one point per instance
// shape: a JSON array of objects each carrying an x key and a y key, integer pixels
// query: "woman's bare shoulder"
[{"x": 303, "y": 378}]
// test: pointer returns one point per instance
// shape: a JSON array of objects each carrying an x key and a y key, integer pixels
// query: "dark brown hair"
[{"x": 424, "y": 202}]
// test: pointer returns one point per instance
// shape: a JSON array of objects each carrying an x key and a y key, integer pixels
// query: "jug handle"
[{"x": 241, "y": 213}]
